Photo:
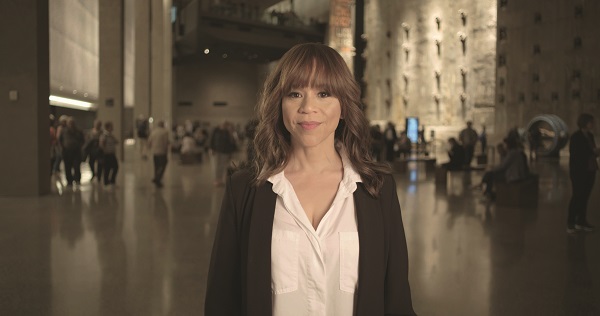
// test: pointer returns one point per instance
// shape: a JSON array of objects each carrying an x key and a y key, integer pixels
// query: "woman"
[
  {"x": 582, "y": 169},
  {"x": 314, "y": 228}
]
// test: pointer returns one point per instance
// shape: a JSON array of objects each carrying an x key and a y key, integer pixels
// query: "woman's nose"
[{"x": 308, "y": 104}]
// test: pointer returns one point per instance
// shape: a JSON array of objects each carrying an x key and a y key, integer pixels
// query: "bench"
[
  {"x": 521, "y": 193},
  {"x": 401, "y": 165}
]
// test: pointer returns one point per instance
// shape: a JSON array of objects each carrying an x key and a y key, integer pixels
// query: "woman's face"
[{"x": 311, "y": 115}]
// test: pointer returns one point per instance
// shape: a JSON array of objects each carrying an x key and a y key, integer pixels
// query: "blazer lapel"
[
  {"x": 258, "y": 271},
  {"x": 371, "y": 261}
]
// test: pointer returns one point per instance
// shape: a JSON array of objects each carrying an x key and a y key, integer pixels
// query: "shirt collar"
[{"x": 348, "y": 183}]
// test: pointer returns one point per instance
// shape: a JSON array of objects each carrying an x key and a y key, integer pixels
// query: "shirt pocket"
[
  {"x": 284, "y": 261},
  {"x": 349, "y": 252}
]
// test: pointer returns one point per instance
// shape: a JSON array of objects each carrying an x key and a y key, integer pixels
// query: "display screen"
[{"x": 412, "y": 129}]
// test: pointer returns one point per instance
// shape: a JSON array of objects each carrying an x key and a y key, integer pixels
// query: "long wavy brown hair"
[{"x": 316, "y": 66}]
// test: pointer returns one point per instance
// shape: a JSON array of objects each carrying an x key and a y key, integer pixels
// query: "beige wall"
[
  {"x": 389, "y": 97},
  {"x": 522, "y": 97},
  {"x": 24, "y": 68},
  {"x": 203, "y": 83},
  {"x": 74, "y": 49}
]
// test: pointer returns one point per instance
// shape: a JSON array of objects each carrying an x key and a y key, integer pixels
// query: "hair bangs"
[{"x": 312, "y": 68}]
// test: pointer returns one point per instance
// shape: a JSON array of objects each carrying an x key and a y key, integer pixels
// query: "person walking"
[
  {"x": 58, "y": 158},
  {"x": 468, "y": 138},
  {"x": 108, "y": 144},
  {"x": 94, "y": 152},
  {"x": 582, "y": 171},
  {"x": 158, "y": 143},
  {"x": 71, "y": 141}
]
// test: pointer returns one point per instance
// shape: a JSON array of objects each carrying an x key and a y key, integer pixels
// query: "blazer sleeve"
[
  {"x": 398, "y": 299},
  {"x": 223, "y": 289}
]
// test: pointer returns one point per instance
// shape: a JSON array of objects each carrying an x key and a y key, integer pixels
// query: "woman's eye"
[
  {"x": 294, "y": 95},
  {"x": 324, "y": 94}
]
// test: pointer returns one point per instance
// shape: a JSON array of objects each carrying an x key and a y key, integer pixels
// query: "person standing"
[
  {"x": 71, "y": 141},
  {"x": 53, "y": 144},
  {"x": 314, "y": 226},
  {"x": 142, "y": 130},
  {"x": 483, "y": 141},
  {"x": 468, "y": 139},
  {"x": 108, "y": 144},
  {"x": 62, "y": 124},
  {"x": 535, "y": 141},
  {"x": 582, "y": 170},
  {"x": 94, "y": 152},
  {"x": 390, "y": 137},
  {"x": 158, "y": 142},
  {"x": 223, "y": 144}
]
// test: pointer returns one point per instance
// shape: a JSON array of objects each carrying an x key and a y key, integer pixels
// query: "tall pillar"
[
  {"x": 161, "y": 103},
  {"x": 24, "y": 92},
  {"x": 111, "y": 66},
  {"x": 142, "y": 59},
  {"x": 340, "y": 29}
]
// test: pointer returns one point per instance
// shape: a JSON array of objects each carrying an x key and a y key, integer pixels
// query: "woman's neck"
[{"x": 314, "y": 160}]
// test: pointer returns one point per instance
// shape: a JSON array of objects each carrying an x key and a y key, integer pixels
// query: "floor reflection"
[{"x": 138, "y": 250}]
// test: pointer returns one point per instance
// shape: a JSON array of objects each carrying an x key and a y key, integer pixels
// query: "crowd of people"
[
  {"x": 388, "y": 145},
  {"x": 70, "y": 146}
]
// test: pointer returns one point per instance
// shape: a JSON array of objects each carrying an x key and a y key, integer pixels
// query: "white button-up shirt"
[{"x": 314, "y": 272}]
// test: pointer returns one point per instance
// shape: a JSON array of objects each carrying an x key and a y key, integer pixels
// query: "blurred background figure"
[
  {"x": 376, "y": 142},
  {"x": 142, "y": 131},
  {"x": 404, "y": 145},
  {"x": 62, "y": 123},
  {"x": 390, "y": 138},
  {"x": 93, "y": 151},
  {"x": 535, "y": 141},
  {"x": 583, "y": 165},
  {"x": 158, "y": 142},
  {"x": 456, "y": 153},
  {"x": 53, "y": 144},
  {"x": 108, "y": 144},
  {"x": 71, "y": 141},
  {"x": 468, "y": 138},
  {"x": 223, "y": 144}
]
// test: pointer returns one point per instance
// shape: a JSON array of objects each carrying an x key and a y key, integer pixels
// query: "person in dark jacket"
[
  {"x": 223, "y": 144},
  {"x": 456, "y": 155},
  {"x": 71, "y": 141},
  {"x": 582, "y": 170},
  {"x": 315, "y": 213}
]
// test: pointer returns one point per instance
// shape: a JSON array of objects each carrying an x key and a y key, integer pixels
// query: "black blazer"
[
  {"x": 239, "y": 277},
  {"x": 582, "y": 158}
]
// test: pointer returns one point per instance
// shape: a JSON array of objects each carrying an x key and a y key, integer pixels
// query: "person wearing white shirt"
[{"x": 313, "y": 226}]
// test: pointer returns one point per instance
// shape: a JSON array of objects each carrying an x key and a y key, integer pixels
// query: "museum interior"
[{"x": 486, "y": 74}]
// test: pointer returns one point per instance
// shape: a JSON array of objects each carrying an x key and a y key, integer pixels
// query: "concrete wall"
[
  {"x": 402, "y": 60},
  {"x": 74, "y": 49},
  {"x": 544, "y": 71},
  {"x": 201, "y": 84},
  {"x": 24, "y": 71}
]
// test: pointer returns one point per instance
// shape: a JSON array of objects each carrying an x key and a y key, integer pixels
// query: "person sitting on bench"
[
  {"x": 456, "y": 154},
  {"x": 512, "y": 168}
]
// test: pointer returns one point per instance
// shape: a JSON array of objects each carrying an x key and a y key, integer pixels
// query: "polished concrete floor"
[{"x": 138, "y": 250}]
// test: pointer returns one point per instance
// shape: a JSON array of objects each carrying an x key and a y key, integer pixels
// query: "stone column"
[
  {"x": 24, "y": 91},
  {"x": 111, "y": 66},
  {"x": 142, "y": 59},
  {"x": 161, "y": 107},
  {"x": 340, "y": 29}
]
